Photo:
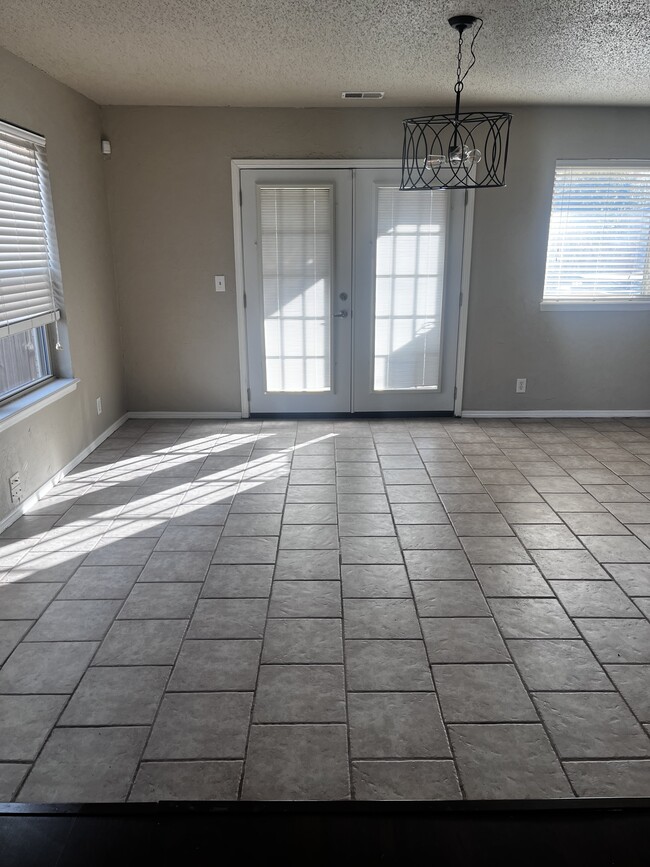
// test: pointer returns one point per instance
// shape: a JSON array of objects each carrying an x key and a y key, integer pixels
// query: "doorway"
[{"x": 351, "y": 291}]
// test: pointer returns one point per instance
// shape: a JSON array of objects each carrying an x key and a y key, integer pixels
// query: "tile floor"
[{"x": 403, "y": 609}]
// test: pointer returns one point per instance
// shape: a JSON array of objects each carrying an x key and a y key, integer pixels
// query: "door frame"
[{"x": 238, "y": 165}]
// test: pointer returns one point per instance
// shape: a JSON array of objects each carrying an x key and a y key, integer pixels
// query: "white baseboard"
[
  {"x": 207, "y": 415},
  {"x": 530, "y": 413},
  {"x": 558, "y": 413},
  {"x": 23, "y": 507}
]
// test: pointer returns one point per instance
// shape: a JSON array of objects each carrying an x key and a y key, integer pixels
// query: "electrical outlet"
[
  {"x": 99, "y": 406},
  {"x": 220, "y": 284},
  {"x": 520, "y": 387},
  {"x": 16, "y": 488}
]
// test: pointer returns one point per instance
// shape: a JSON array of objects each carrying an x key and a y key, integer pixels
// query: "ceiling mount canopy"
[{"x": 460, "y": 150}]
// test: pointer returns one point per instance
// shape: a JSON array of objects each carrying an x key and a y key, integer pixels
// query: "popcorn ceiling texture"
[{"x": 288, "y": 53}]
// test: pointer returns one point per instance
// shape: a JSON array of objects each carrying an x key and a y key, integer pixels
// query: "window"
[
  {"x": 599, "y": 235},
  {"x": 296, "y": 227},
  {"x": 409, "y": 283},
  {"x": 29, "y": 282}
]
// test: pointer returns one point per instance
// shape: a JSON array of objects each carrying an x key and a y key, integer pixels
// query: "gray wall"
[
  {"x": 170, "y": 202},
  {"x": 46, "y": 441},
  {"x": 596, "y": 360}
]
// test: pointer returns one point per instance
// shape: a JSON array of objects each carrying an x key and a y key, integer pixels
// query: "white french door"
[
  {"x": 407, "y": 272},
  {"x": 296, "y": 229},
  {"x": 352, "y": 291}
]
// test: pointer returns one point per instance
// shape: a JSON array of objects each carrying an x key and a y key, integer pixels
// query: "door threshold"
[{"x": 353, "y": 415}]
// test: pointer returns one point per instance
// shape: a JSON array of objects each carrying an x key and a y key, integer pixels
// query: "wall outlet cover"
[{"x": 16, "y": 488}]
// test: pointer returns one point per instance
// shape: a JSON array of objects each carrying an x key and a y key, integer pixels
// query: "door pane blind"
[
  {"x": 409, "y": 279},
  {"x": 296, "y": 231}
]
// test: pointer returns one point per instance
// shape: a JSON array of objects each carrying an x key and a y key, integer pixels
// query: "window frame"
[
  {"x": 34, "y": 390},
  {"x": 45, "y": 355},
  {"x": 631, "y": 303}
]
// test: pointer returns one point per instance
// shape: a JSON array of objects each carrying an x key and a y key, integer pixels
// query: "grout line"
[
  {"x": 171, "y": 667},
  {"x": 149, "y": 726},
  {"x": 348, "y": 727},
  {"x": 166, "y": 457},
  {"x": 450, "y": 747},
  {"x": 572, "y": 620},
  {"x": 516, "y": 668},
  {"x": 240, "y": 788}
]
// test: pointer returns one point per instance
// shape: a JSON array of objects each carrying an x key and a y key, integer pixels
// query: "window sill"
[
  {"x": 597, "y": 306},
  {"x": 22, "y": 407}
]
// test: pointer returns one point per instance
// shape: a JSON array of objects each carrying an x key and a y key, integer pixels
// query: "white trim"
[
  {"x": 20, "y": 408},
  {"x": 239, "y": 286},
  {"x": 316, "y": 164},
  {"x": 597, "y": 305},
  {"x": 33, "y": 499},
  {"x": 236, "y": 167},
  {"x": 558, "y": 413},
  {"x": 466, "y": 267},
  {"x": 163, "y": 414},
  {"x": 19, "y": 132}
]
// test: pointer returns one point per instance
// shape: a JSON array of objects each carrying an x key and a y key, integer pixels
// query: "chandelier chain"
[
  {"x": 459, "y": 66},
  {"x": 460, "y": 76}
]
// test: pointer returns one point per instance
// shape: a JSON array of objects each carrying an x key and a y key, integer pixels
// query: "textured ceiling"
[{"x": 305, "y": 52}]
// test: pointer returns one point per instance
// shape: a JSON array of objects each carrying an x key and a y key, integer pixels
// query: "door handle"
[{"x": 342, "y": 315}]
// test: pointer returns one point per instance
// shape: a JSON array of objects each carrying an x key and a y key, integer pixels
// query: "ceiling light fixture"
[{"x": 451, "y": 151}]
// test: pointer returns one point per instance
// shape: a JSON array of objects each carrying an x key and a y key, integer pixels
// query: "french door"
[{"x": 352, "y": 291}]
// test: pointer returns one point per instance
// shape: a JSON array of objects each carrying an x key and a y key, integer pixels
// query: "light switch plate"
[{"x": 220, "y": 283}]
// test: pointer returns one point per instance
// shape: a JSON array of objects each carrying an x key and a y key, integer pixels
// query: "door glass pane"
[
  {"x": 409, "y": 278},
  {"x": 296, "y": 225}
]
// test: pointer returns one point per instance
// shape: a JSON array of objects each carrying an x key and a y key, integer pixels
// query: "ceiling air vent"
[{"x": 362, "y": 94}]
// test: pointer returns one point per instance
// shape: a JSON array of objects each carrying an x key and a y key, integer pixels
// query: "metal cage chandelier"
[{"x": 451, "y": 151}]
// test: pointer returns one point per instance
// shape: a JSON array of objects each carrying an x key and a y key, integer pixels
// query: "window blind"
[
  {"x": 409, "y": 285},
  {"x": 599, "y": 233},
  {"x": 28, "y": 256},
  {"x": 296, "y": 228}
]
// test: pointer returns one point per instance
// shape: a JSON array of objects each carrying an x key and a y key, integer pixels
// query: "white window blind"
[
  {"x": 296, "y": 228},
  {"x": 599, "y": 234},
  {"x": 409, "y": 284},
  {"x": 28, "y": 256}
]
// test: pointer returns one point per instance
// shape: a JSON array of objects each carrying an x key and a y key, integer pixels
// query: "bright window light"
[{"x": 599, "y": 233}]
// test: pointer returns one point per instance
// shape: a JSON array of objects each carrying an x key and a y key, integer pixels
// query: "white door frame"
[{"x": 236, "y": 167}]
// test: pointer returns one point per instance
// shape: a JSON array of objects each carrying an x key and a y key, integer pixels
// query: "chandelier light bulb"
[
  {"x": 434, "y": 161},
  {"x": 457, "y": 157}
]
